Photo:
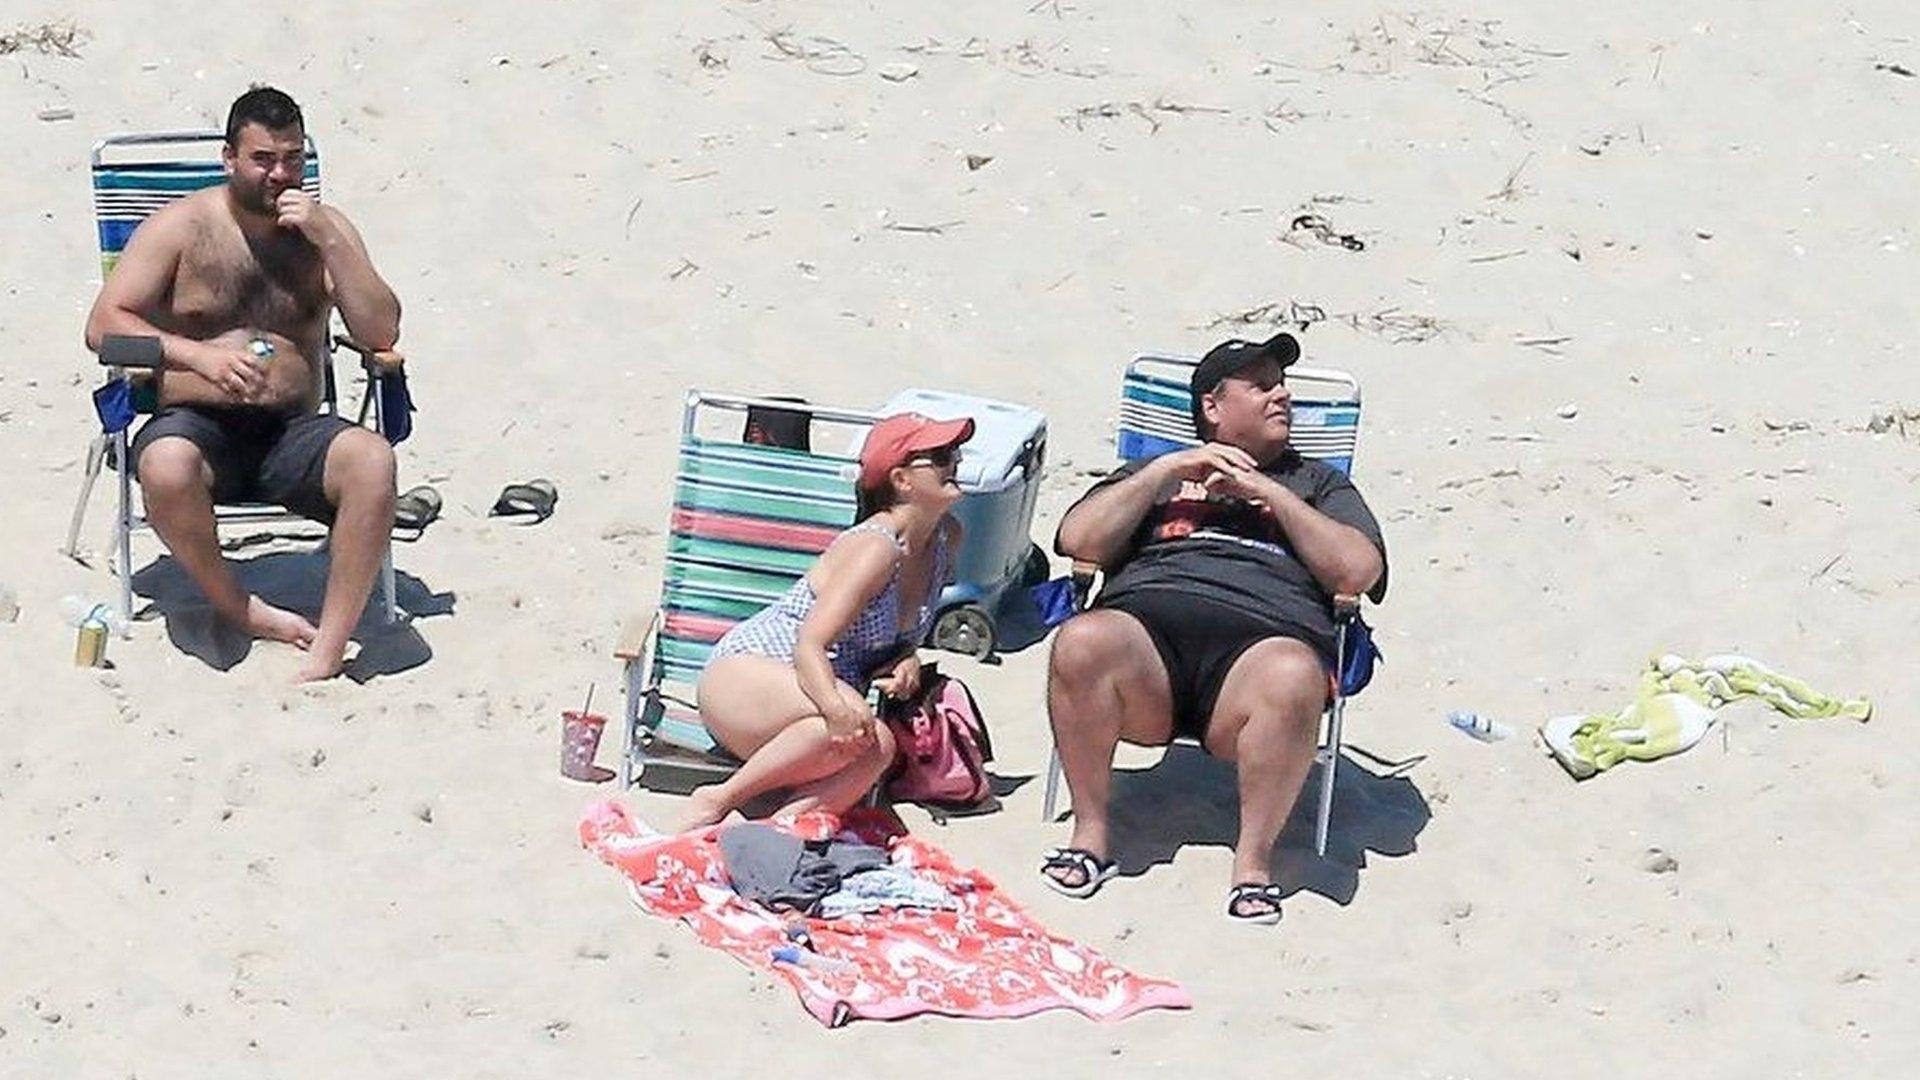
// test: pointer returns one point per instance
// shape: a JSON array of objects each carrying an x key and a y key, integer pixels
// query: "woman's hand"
[
  {"x": 850, "y": 726},
  {"x": 901, "y": 679}
]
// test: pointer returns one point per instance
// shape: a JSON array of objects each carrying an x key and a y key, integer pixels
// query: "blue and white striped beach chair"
[
  {"x": 1156, "y": 417},
  {"x": 133, "y": 176},
  {"x": 1156, "y": 414}
]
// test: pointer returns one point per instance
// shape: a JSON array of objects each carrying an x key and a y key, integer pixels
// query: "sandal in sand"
[
  {"x": 1094, "y": 871},
  {"x": 416, "y": 509},
  {"x": 1254, "y": 904},
  {"x": 534, "y": 499}
]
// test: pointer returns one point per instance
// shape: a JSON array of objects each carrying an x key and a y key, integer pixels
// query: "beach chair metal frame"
[
  {"x": 747, "y": 520},
  {"x": 135, "y": 174},
  {"x": 1156, "y": 418}
]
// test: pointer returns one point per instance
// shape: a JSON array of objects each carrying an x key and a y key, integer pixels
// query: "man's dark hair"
[{"x": 271, "y": 109}]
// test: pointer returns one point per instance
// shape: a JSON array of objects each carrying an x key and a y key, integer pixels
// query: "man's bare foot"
[
  {"x": 704, "y": 808},
  {"x": 276, "y": 624},
  {"x": 324, "y": 661}
]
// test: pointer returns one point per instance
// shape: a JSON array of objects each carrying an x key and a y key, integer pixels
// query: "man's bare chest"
[{"x": 225, "y": 281}]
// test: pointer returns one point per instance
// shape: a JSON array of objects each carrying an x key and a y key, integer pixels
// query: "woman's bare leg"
[
  {"x": 840, "y": 791},
  {"x": 755, "y": 708}
]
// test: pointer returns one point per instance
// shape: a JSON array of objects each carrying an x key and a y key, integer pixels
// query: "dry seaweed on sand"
[
  {"x": 1274, "y": 313},
  {"x": 822, "y": 55},
  {"x": 1399, "y": 327},
  {"x": 1317, "y": 226},
  {"x": 50, "y": 39},
  {"x": 1108, "y": 110}
]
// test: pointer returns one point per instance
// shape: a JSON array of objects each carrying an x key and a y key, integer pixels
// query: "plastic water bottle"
[
  {"x": 1483, "y": 728},
  {"x": 799, "y": 957}
]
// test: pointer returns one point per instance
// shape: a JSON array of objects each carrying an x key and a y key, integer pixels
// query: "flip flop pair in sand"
[{"x": 534, "y": 499}]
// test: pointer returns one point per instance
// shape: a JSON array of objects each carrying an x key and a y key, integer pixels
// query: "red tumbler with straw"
[{"x": 580, "y": 732}]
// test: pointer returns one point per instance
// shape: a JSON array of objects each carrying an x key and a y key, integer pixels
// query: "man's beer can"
[{"x": 90, "y": 648}]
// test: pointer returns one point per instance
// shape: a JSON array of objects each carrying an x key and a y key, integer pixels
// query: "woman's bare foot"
[
  {"x": 704, "y": 807},
  {"x": 276, "y": 624}
]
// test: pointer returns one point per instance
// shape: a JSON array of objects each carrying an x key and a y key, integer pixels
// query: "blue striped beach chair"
[
  {"x": 1156, "y": 418},
  {"x": 133, "y": 176},
  {"x": 747, "y": 522}
]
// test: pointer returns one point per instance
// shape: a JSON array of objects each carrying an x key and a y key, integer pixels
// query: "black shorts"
[
  {"x": 256, "y": 455},
  {"x": 1198, "y": 643}
]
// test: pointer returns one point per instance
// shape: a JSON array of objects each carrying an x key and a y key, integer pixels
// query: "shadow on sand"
[
  {"x": 1188, "y": 798},
  {"x": 297, "y": 581}
]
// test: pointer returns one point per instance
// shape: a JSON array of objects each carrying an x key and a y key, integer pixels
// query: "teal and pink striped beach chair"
[
  {"x": 748, "y": 520},
  {"x": 1156, "y": 418},
  {"x": 133, "y": 176},
  {"x": 755, "y": 502}
]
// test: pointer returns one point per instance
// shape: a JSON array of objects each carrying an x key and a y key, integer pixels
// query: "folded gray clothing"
[{"x": 783, "y": 871}]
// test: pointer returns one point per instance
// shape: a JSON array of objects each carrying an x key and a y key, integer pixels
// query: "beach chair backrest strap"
[
  {"x": 1156, "y": 413},
  {"x": 747, "y": 523},
  {"x": 136, "y": 174}
]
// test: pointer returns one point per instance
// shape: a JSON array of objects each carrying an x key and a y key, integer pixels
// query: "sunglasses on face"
[
  {"x": 943, "y": 458},
  {"x": 1263, "y": 377}
]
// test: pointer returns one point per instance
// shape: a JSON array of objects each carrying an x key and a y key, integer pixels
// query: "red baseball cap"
[{"x": 896, "y": 439}]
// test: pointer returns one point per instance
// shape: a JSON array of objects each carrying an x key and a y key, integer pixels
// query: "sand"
[{"x": 1636, "y": 284}]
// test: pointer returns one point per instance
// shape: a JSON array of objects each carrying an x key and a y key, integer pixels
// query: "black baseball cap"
[{"x": 1228, "y": 357}]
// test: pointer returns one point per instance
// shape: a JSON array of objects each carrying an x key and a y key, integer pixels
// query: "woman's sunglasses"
[{"x": 943, "y": 458}]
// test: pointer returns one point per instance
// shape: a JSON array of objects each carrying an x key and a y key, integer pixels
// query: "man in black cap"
[{"x": 1216, "y": 621}]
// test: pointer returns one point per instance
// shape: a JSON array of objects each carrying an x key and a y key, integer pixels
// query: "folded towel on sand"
[
  {"x": 1675, "y": 708},
  {"x": 984, "y": 958}
]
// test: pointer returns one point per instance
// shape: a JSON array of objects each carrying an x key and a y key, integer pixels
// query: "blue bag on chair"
[
  {"x": 1361, "y": 654},
  {"x": 114, "y": 404},
  {"x": 396, "y": 407},
  {"x": 1055, "y": 600}
]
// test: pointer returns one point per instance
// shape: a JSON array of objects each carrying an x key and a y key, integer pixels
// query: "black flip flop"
[
  {"x": 534, "y": 499},
  {"x": 418, "y": 508},
  {"x": 1264, "y": 899},
  {"x": 1094, "y": 871}
]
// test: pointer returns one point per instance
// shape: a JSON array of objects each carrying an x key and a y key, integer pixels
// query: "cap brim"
[{"x": 940, "y": 434}]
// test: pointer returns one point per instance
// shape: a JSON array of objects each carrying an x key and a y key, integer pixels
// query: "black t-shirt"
[{"x": 1232, "y": 552}]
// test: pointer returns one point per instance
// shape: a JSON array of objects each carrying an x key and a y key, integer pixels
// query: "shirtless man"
[{"x": 237, "y": 282}]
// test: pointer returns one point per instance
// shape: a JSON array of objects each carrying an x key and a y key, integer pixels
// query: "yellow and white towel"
[{"x": 1676, "y": 707}]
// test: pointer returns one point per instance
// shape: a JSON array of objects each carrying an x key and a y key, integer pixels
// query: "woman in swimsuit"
[{"x": 786, "y": 690}]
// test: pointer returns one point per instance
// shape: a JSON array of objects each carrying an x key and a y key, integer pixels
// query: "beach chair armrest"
[
  {"x": 141, "y": 351},
  {"x": 1082, "y": 575},
  {"x": 632, "y": 642},
  {"x": 376, "y": 361}
]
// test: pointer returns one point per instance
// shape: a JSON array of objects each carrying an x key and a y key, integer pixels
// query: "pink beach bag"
[{"x": 944, "y": 745}]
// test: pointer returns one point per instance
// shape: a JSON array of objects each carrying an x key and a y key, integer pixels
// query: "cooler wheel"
[{"x": 965, "y": 629}]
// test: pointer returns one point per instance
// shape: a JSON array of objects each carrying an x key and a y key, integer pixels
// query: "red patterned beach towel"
[{"x": 988, "y": 958}]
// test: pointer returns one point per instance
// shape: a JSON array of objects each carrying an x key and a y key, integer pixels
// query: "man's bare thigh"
[
  {"x": 1277, "y": 673},
  {"x": 1125, "y": 650}
]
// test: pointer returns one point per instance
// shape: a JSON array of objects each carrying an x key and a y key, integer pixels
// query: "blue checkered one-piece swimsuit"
[{"x": 872, "y": 640}]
